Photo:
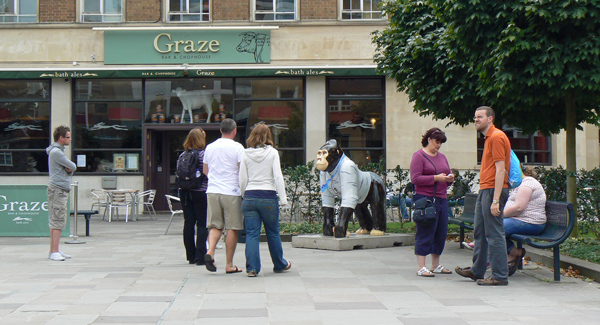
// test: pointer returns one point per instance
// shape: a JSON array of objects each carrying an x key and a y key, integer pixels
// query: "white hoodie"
[{"x": 260, "y": 169}]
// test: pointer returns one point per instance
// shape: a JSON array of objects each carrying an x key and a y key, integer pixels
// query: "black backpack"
[{"x": 188, "y": 175}]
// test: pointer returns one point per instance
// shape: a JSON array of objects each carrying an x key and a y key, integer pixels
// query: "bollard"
[{"x": 75, "y": 207}]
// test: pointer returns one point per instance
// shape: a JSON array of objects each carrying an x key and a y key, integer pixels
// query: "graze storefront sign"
[
  {"x": 24, "y": 211},
  {"x": 186, "y": 46}
]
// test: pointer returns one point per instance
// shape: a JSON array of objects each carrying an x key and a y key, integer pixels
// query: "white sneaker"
[
  {"x": 64, "y": 255},
  {"x": 56, "y": 256}
]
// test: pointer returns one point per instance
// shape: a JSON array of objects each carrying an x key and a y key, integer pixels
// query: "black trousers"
[{"x": 194, "y": 215}]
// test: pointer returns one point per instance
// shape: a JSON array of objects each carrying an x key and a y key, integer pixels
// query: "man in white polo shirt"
[{"x": 222, "y": 165}]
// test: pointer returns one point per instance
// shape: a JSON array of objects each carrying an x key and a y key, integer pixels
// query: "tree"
[{"x": 536, "y": 62}]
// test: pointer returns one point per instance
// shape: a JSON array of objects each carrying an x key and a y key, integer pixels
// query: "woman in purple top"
[{"x": 429, "y": 167}]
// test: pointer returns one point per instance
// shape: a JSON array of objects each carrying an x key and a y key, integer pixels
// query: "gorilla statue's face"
[{"x": 328, "y": 156}]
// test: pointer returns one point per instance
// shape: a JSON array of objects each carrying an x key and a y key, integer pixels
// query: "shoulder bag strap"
[{"x": 434, "y": 173}]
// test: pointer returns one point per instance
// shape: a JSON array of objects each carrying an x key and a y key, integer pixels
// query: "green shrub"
[{"x": 583, "y": 248}]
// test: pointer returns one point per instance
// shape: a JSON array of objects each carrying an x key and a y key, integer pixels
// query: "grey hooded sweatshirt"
[{"x": 57, "y": 162}]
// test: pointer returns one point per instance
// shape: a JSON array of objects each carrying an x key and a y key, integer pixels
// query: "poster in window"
[
  {"x": 133, "y": 161},
  {"x": 119, "y": 161}
]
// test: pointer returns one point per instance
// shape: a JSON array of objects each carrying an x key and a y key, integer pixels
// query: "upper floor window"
[
  {"x": 95, "y": 11},
  {"x": 275, "y": 10},
  {"x": 189, "y": 10},
  {"x": 361, "y": 9},
  {"x": 18, "y": 11},
  {"x": 531, "y": 149}
]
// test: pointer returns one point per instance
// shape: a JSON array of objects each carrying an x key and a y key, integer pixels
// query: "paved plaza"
[{"x": 131, "y": 273}]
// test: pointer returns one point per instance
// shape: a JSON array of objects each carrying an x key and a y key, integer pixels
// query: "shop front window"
[
  {"x": 189, "y": 10},
  {"x": 24, "y": 125},
  {"x": 534, "y": 149},
  {"x": 107, "y": 136},
  {"x": 188, "y": 100},
  {"x": 356, "y": 117},
  {"x": 18, "y": 11},
  {"x": 279, "y": 104}
]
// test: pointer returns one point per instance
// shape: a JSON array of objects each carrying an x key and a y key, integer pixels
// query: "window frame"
[
  {"x": 82, "y": 13},
  {"x": 342, "y": 11},
  {"x": 521, "y": 153},
  {"x": 76, "y": 148},
  {"x": 186, "y": 13},
  {"x": 18, "y": 16},
  {"x": 361, "y": 97},
  {"x": 255, "y": 12}
]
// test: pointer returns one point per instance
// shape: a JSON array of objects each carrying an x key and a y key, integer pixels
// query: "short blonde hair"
[
  {"x": 260, "y": 136},
  {"x": 196, "y": 140}
]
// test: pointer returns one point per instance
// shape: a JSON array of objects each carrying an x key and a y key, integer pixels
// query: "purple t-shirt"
[{"x": 422, "y": 172}]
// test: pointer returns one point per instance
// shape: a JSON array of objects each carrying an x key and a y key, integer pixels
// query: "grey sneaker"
[
  {"x": 466, "y": 272},
  {"x": 489, "y": 281},
  {"x": 56, "y": 257}
]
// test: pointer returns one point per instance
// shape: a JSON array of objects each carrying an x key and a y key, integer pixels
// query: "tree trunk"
[{"x": 571, "y": 155}]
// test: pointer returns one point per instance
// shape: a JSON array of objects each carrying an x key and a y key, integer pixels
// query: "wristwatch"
[{"x": 495, "y": 201}]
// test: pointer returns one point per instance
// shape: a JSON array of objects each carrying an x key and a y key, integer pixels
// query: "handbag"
[{"x": 424, "y": 208}]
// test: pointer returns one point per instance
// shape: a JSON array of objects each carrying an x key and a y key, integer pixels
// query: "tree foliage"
[{"x": 524, "y": 58}]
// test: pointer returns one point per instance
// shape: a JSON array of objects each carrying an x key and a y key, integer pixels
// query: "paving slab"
[
  {"x": 352, "y": 242},
  {"x": 131, "y": 273}
]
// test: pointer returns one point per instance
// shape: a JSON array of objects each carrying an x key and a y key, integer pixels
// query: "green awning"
[{"x": 184, "y": 71}]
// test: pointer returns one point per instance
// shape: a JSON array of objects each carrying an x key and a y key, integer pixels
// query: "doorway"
[{"x": 163, "y": 145}]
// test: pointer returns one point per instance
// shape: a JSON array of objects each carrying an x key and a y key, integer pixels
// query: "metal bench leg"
[
  {"x": 462, "y": 236},
  {"x": 556, "y": 253},
  {"x": 520, "y": 261}
]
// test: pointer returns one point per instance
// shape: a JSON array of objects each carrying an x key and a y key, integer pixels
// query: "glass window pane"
[
  {"x": 28, "y": 7},
  {"x": 108, "y": 89},
  {"x": 284, "y": 118},
  {"x": 264, "y": 5},
  {"x": 112, "y": 6},
  {"x": 265, "y": 17},
  {"x": 177, "y": 5},
  {"x": 92, "y": 18},
  {"x": 195, "y": 6},
  {"x": 285, "y": 5},
  {"x": 363, "y": 157},
  {"x": 24, "y": 161},
  {"x": 269, "y": 88},
  {"x": 91, "y": 5},
  {"x": 101, "y": 161},
  {"x": 24, "y": 125},
  {"x": 13, "y": 89},
  {"x": 355, "y": 5},
  {"x": 291, "y": 158},
  {"x": 356, "y": 124},
  {"x": 355, "y": 87},
  {"x": 108, "y": 125},
  {"x": 7, "y": 7}
]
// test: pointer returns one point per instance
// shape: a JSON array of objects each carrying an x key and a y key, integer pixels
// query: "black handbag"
[{"x": 424, "y": 208}]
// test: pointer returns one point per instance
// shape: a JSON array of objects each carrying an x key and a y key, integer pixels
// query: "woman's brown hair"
[
  {"x": 196, "y": 139},
  {"x": 528, "y": 171},
  {"x": 260, "y": 136}
]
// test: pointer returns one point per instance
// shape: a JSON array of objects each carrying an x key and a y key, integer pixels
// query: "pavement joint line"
[{"x": 173, "y": 299}]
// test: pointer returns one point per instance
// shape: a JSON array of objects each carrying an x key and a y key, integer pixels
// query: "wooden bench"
[
  {"x": 87, "y": 214},
  {"x": 559, "y": 225},
  {"x": 467, "y": 218}
]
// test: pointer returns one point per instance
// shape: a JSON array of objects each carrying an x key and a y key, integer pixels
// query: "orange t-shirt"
[{"x": 496, "y": 148}]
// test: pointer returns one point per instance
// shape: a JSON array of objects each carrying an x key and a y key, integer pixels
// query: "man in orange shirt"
[{"x": 493, "y": 193}]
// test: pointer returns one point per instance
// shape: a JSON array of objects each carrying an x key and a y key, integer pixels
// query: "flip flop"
[
  {"x": 237, "y": 269},
  {"x": 209, "y": 262},
  {"x": 441, "y": 270}
]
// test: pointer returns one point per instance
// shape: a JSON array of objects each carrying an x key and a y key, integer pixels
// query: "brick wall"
[
  {"x": 318, "y": 9},
  {"x": 57, "y": 11},
  {"x": 231, "y": 10},
  {"x": 142, "y": 10}
]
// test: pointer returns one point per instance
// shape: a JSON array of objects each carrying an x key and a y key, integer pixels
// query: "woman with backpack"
[
  {"x": 192, "y": 192},
  {"x": 261, "y": 183}
]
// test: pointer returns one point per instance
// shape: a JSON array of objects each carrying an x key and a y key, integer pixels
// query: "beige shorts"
[
  {"x": 224, "y": 212},
  {"x": 57, "y": 207}
]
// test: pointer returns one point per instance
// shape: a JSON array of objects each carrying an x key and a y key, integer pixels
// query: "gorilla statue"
[{"x": 341, "y": 178}]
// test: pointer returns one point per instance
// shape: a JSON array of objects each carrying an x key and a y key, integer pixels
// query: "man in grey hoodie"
[{"x": 60, "y": 170}]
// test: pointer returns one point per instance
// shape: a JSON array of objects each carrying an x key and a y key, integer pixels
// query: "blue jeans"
[
  {"x": 266, "y": 211},
  {"x": 515, "y": 226}
]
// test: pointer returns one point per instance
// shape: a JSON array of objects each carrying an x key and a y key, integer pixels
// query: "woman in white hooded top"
[{"x": 261, "y": 183}]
